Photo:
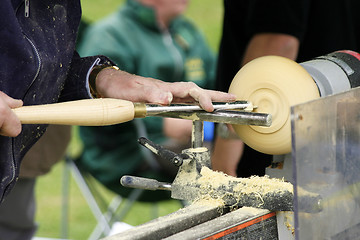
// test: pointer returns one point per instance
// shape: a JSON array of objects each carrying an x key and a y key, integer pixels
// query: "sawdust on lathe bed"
[
  {"x": 259, "y": 187},
  {"x": 207, "y": 200},
  {"x": 258, "y": 184}
]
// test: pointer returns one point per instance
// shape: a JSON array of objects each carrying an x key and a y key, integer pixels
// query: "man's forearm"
[
  {"x": 226, "y": 155},
  {"x": 271, "y": 44}
]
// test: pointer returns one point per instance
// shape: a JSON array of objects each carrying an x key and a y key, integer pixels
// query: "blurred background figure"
[
  {"x": 299, "y": 30},
  {"x": 153, "y": 39}
]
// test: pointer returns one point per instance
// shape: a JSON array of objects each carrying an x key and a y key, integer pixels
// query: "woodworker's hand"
[
  {"x": 119, "y": 84},
  {"x": 9, "y": 123}
]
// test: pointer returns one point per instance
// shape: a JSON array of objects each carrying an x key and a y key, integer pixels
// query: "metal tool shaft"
[
  {"x": 153, "y": 109},
  {"x": 224, "y": 116},
  {"x": 239, "y": 112}
]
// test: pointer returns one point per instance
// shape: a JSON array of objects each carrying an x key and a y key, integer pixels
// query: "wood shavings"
[
  {"x": 260, "y": 192},
  {"x": 245, "y": 185}
]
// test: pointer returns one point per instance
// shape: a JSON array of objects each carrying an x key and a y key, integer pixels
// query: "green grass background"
[{"x": 208, "y": 17}]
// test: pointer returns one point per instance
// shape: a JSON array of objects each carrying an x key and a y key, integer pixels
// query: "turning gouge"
[{"x": 108, "y": 111}]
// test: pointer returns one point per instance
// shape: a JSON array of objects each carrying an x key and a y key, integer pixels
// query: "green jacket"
[{"x": 132, "y": 39}]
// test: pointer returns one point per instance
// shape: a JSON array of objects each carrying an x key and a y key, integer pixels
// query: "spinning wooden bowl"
[{"x": 273, "y": 84}]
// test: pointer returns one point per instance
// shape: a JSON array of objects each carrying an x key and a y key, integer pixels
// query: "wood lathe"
[{"x": 276, "y": 86}]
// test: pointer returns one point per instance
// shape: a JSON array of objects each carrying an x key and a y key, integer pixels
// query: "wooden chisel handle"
[{"x": 89, "y": 112}]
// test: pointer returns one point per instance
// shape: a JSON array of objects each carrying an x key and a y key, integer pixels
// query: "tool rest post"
[{"x": 197, "y": 136}]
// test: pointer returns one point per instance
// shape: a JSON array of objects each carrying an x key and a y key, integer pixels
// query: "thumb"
[{"x": 11, "y": 102}]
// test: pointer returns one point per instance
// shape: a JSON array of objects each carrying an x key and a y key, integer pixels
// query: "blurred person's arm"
[
  {"x": 264, "y": 44},
  {"x": 227, "y": 152},
  {"x": 178, "y": 129}
]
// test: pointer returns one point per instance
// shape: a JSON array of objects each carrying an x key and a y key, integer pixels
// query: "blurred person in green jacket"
[{"x": 150, "y": 38}]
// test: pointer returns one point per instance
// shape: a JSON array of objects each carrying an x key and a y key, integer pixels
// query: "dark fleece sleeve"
[{"x": 75, "y": 85}]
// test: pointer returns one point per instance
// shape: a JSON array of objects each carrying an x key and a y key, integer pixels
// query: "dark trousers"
[
  {"x": 17, "y": 212},
  {"x": 253, "y": 163}
]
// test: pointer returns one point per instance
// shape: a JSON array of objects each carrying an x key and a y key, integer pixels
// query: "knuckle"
[
  {"x": 4, "y": 110},
  {"x": 193, "y": 85}
]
